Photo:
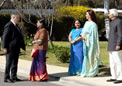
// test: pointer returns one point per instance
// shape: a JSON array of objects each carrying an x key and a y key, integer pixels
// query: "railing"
[
  {"x": 34, "y": 12},
  {"x": 102, "y": 10}
]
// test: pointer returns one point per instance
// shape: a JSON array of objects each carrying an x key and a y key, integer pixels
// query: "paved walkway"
[
  {"x": 25, "y": 82},
  {"x": 60, "y": 73}
]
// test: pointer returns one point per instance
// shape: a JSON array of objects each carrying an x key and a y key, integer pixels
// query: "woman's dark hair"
[
  {"x": 93, "y": 16},
  {"x": 42, "y": 21},
  {"x": 78, "y": 21}
]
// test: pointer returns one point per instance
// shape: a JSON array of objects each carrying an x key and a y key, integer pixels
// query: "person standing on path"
[
  {"x": 114, "y": 47},
  {"x": 91, "y": 49},
  {"x": 38, "y": 71},
  {"x": 12, "y": 41},
  {"x": 76, "y": 58}
]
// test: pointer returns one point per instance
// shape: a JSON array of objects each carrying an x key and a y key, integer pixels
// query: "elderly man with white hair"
[{"x": 114, "y": 47}]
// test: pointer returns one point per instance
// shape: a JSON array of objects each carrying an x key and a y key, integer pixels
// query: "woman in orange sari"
[{"x": 38, "y": 70}]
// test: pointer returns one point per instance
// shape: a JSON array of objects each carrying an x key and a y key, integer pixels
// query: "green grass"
[
  {"x": 51, "y": 58},
  {"x": 104, "y": 53}
]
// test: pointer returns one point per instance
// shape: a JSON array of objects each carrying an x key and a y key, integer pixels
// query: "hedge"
[
  {"x": 65, "y": 17},
  {"x": 62, "y": 53},
  {"x": 4, "y": 18},
  {"x": 26, "y": 28},
  {"x": 77, "y": 12},
  {"x": 63, "y": 22}
]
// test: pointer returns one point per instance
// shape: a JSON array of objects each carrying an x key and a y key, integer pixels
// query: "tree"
[
  {"x": 115, "y": 4},
  {"x": 3, "y": 2},
  {"x": 68, "y": 2},
  {"x": 91, "y": 3},
  {"x": 42, "y": 8},
  {"x": 78, "y": 2}
]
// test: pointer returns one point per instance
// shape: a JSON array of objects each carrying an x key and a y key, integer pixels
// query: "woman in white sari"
[{"x": 91, "y": 50}]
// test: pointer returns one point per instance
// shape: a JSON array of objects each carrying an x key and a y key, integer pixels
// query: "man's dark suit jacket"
[
  {"x": 115, "y": 35},
  {"x": 12, "y": 38}
]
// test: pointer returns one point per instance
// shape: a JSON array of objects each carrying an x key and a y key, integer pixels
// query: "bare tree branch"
[
  {"x": 42, "y": 8},
  {"x": 2, "y": 3}
]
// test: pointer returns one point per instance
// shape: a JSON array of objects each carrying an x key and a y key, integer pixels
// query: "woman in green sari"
[{"x": 89, "y": 34}]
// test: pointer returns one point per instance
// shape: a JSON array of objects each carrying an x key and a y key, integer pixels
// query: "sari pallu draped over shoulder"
[
  {"x": 91, "y": 49},
  {"x": 76, "y": 58}
]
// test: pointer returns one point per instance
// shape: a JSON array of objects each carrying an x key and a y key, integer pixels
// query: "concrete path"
[{"x": 60, "y": 74}]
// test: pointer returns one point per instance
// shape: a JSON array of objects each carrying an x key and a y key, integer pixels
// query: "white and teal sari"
[{"x": 91, "y": 60}]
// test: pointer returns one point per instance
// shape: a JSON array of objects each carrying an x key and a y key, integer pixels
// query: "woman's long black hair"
[{"x": 93, "y": 16}]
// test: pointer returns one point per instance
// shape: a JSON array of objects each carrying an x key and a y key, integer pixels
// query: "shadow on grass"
[
  {"x": 22, "y": 53},
  {"x": 104, "y": 71},
  {"x": 2, "y": 53}
]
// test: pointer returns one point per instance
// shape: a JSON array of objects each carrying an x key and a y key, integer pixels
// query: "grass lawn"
[
  {"x": 104, "y": 53},
  {"x": 51, "y": 58}
]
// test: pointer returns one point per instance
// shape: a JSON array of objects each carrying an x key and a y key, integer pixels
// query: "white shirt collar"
[{"x": 13, "y": 22}]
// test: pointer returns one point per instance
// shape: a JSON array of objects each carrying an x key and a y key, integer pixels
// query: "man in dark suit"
[
  {"x": 114, "y": 47},
  {"x": 12, "y": 41}
]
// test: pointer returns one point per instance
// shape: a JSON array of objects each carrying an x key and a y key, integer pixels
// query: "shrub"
[
  {"x": 62, "y": 53},
  {"x": 52, "y": 49},
  {"x": 4, "y": 18},
  {"x": 64, "y": 20},
  {"x": 77, "y": 12},
  {"x": 62, "y": 27},
  {"x": 29, "y": 39},
  {"x": 27, "y": 28}
]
